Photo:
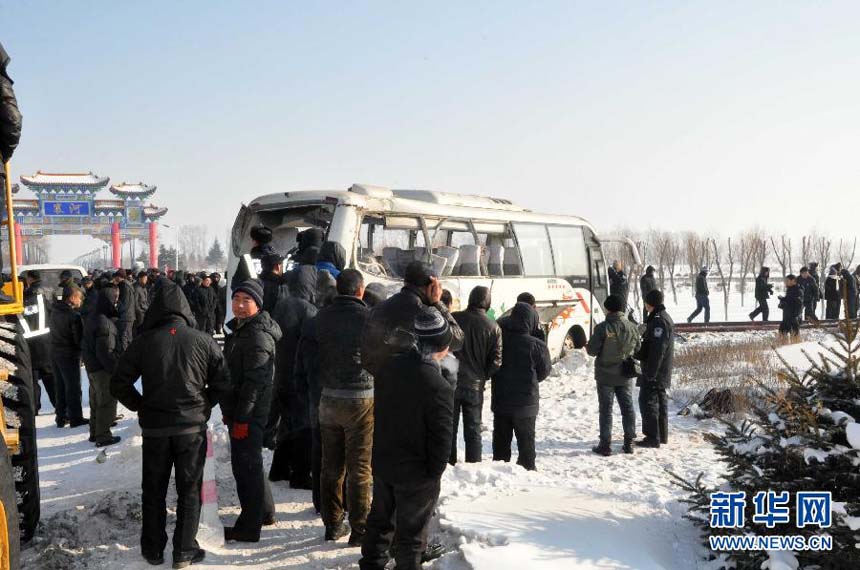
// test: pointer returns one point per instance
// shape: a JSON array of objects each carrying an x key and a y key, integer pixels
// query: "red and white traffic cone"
[{"x": 211, "y": 532}]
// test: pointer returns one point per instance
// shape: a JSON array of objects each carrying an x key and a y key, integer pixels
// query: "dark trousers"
[
  {"x": 67, "y": 387},
  {"x": 47, "y": 377},
  {"x": 316, "y": 465},
  {"x": 654, "y": 409},
  {"x": 504, "y": 428},
  {"x": 762, "y": 310},
  {"x": 702, "y": 303},
  {"x": 790, "y": 325},
  {"x": 102, "y": 406},
  {"x": 219, "y": 320},
  {"x": 398, "y": 520},
  {"x": 346, "y": 429},
  {"x": 809, "y": 311},
  {"x": 187, "y": 455},
  {"x": 606, "y": 395},
  {"x": 255, "y": 495},
  {"x": 832, "y": 309},
  {"x": 852, "y": 307},
  {"x": 125, "y": 330},
  {"x": 469, "y": 404}
]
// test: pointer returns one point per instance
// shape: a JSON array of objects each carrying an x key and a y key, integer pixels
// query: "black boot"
[
  {"x": 336, "y": 531},
  {"x": 602, "y": 448},
  {"x": 664, "y": 430},
  {"x": 628, "y": 445},
  {"x": 187, "y": 561},
  {"x": 648, "y": 442}
]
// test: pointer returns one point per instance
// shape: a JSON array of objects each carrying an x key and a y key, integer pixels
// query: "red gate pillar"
[
  {"x": 153, "y": 244},
  {"x": 19, "y": 245},
  {"x": 115, "y": 245}
]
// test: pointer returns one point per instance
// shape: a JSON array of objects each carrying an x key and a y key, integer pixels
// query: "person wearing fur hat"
[
  {"x": 656, "y": 354},
  {"x": 613, "y": 344},
  {"x": 412, "y": 433}
]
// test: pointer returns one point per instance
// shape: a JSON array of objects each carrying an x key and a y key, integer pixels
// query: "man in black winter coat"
[
  {"x": 288, "y": 427},
  {"x": 184, "y": 376},
  {"x": 618, "y": 282},
  {"x": 703, "y": 301},
  {"x": 849, "y": 293},
  {"x": 395, "y": 315},
  {"x": 413, "y": 415},
  {"x": 10, "y": 116},
  {"x": 100, "y": 351},
  {"x": 38, "y": 303},
  {"x": 90, "y": 297},
  {"x": 763, "y": 291},
  {"x": 66, "y": 333},
  {"x": 345, "y": 410},
  {"x": 479, "y": 358},
  {"x": 307, "y": 380},
  {"x": 207, "y": 301},
  {"x": 811, "y": 294},
  {"x": 792, "y": 307},
  {"x": 647, "y": 283},
  {"x": 813, "y": 272},
  {"x": 250, "y": 353},
  {"x": 220, "y": 302},
  {"x": 657, "y": 355},
  {"x": 126, "y": 308},
  {"x": 141, "y": 296},
  {"x": 515, "y": 387}
]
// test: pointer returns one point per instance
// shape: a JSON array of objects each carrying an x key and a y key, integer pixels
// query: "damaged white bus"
[{"x": 470, "y": 241}]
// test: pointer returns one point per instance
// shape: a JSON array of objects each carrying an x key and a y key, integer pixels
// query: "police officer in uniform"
[{"x": 656, "y": 355}]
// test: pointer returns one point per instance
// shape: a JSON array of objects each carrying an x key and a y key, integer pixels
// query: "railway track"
[{"x": 745, "y": 326}]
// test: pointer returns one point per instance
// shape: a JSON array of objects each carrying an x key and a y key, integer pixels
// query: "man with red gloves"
[
  {"x": 183, "y": 374},
  {"x": 250, "y": 353}
]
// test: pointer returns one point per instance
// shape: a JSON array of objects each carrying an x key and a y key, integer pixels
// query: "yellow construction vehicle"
[{"x": 19, "y": 482}]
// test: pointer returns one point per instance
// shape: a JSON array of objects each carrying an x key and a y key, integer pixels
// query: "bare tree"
[
  {"x": 750, "y": 243},
  {"x": 673, "y": 257},
  {"x": 782, "y": 253},
  {"x": 807, "y": 246},
  {"x": 729, "y": 255},
  {"x": 843, "y": 255},
  {"x": 823, "y": 246}
]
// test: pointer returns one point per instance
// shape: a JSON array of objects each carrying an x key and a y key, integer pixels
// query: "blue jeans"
[
  {"x": 605, "y": 397},
  {"x": 702, "y": 302}
]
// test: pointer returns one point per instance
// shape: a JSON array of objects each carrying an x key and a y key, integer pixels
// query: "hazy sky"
[{"x": 708, "y": 115}]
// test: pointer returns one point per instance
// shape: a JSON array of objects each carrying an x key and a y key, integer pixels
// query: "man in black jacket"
[
  {"x": 515, "y": 387},
  {"x": 141, "y": 299},
  {"x": 125, "y": 309},
  {"x": 66, "y": 332},
  {"x": 100, "y": 353},
  {"x": 657, "y": 357},
  {"x": 792, "y": 307},
  {"x": 38, "y": 302},
  {"x": 288, "y": 427},
  {"x": 479, "y": 358},
  {"x": 10, "y": 116},
  {"x": 647, "y": 283},
  {"x": 220, "y": 304},
  {"x": 848, "y": 293},
  {"x": 763, "y": 291},
  {"x": 618, "y": 283},
  {"x": 813, "y": 272},
  {"x": 413, "y": 411},
  {"x": 90, "y": 297},
  {"x": 811, "y": 294},
  {"x": 703, "y": 300},
  {"x": 250, "y": 353},
  {"x": 345, "y": 411},
  {"x": 183, "y": 377},
  {"x": 382, "y": 338},
  {"x": 207, "y": 300},
  {"x": 832, "y": 297}
]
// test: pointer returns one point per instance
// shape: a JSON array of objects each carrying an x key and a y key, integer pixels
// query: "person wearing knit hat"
[
  {"x": 613, "y": 343},
  {"x": 412, "y": 434},
  {"x": 253, "y": 289},
  {"x": 656, "y": 356}
]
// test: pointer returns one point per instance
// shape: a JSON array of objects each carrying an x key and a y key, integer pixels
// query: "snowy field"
[{"x": 579, "y": 510}]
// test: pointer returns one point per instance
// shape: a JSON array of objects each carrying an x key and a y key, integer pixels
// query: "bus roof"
[{"x": 419, "y": 202}]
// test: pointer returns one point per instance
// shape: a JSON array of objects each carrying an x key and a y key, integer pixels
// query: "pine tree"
[
  {"x": 797, "y": 439},
  {"x": 215, "y": 257}
]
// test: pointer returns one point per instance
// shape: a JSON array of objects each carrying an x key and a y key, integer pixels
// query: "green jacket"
[{"x": 613, "y": 341}]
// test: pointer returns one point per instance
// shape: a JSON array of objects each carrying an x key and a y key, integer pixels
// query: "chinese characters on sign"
[
  {"x": 66, "y": 208},
  {"x": 771, "y": 509}
]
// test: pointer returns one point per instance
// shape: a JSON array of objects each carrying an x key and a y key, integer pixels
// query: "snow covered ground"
[{"x": 579, "y": 510}]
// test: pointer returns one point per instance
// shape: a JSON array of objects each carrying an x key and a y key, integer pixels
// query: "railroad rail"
[{"x": 746, "y": 326}]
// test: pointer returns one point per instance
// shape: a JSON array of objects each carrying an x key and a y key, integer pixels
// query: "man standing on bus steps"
[
  {"x": 656, "y": 355},
  {"x": 618, "y": 283},
  {"x": 613, "y": 345},
  {"x": 703, "y": 301}
]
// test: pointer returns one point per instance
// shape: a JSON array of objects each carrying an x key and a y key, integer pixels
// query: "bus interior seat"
[
  {"x": 512, "y": 265},
  {"x": 439, "y": 264},
  {"x": 470, "y": 260},
  {"x": 452, "y": 255},
  {"x": 391, "y": 259},
  {"x": 495, "y": 260}
]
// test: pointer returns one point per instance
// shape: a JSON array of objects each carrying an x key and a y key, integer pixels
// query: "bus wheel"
[
  {"x": 20, "y": 405},
  {"x": 574, "y": 340},
  {"x": 10, "y": 541}
]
